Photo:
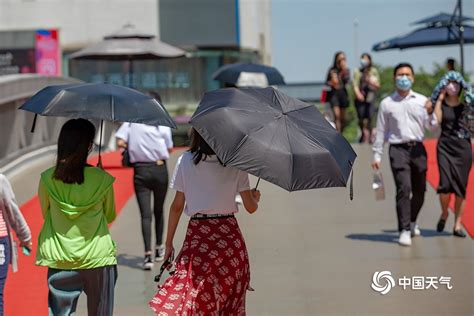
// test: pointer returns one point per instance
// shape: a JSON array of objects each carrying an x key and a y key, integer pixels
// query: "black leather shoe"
[
  {"x": 441, "y": 224},
  {"x": 459, "y": 233}
]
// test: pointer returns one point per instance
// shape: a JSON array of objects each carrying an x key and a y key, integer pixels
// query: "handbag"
[{"x": 126, "y": 159}]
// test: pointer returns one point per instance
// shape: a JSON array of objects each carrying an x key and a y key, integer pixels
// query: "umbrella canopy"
[
  {"x": 126, "y": 44},
  {"x": 430, "y": 36},
  {"x": 247, "y": 74},
  {"x": 442, "y": 18},
  {"x": 98, "y": 101},
  {"x": 273, "y": 136}
]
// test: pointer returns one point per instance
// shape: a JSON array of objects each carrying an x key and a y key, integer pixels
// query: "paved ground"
[{"x": 315, "y": 252}]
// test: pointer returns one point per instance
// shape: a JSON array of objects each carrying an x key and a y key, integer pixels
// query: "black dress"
[
  {"x": 338, "y": 97},
  {"x": 454, "y": 152}
]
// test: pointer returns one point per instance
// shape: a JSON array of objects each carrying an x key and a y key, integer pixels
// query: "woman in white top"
[{"x": 212, "y": 269}]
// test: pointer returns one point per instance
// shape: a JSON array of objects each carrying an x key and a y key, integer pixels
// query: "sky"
[{"x": 307, "y": 33}]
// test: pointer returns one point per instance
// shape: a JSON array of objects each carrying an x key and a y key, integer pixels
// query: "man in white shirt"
[
  {"x": 401, "y": 121},
  {"x": 149, "y": 148}
]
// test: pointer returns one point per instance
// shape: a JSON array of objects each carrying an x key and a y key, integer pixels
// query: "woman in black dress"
[
  {"x": 337, "y": 78},
  {"x": 454, "y": 153}
]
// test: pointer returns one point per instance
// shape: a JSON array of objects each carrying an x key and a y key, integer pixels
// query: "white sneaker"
[
  {"x": 415, "y": 229},
  {"x": 238, "y": 199},
  {"x": 159, "y": 253},
  {"x": 147, "y": 263},
  {"x": 405, "y": 238}
]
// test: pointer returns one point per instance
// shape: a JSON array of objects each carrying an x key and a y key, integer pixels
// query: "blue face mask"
[
  {"x": 364, "y": 63},
  {"x": 403, "y": 83}
]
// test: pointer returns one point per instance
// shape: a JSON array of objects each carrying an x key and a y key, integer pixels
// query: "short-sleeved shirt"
[
  {"x": 146, "y": 143},
  {"x": 208, "y": 187}
]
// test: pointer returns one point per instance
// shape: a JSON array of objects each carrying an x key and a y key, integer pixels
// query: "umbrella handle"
[
  {"x": 256, "y": 186},
  {"x": 351, "y": 185},
  {"x": 99, "y": 162}
]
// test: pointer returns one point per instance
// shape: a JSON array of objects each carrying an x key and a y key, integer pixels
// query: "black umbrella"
[
  {"x": 248, "y": 74},
  {"x": 99, "y": 101},
  {"x": 273, "y": 136},
  {"x": 128, "y": 44}
]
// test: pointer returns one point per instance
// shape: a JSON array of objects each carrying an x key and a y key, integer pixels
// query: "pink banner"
[{"x": 48, "y": 61}]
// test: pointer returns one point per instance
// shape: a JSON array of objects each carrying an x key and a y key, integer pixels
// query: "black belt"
[
  {"x": 412, "y": 143},
  {"x": 200, "y": 216},
  {"x": 148, "y": 163}
]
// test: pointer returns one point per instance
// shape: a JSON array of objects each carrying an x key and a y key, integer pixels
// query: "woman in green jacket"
[{"x": 77, "y": 203}]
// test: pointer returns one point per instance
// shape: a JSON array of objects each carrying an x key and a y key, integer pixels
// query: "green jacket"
[{"x": 75, "y": 233}]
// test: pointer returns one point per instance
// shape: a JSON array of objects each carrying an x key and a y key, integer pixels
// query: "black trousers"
[
  {"x": 409, "y": 167},
  {"x": 148, "y": 179}
]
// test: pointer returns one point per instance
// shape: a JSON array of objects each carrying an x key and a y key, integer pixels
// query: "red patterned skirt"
[{"x": 212, "y": 272}]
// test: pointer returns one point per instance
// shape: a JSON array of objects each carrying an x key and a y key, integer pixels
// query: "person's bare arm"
[
  {"x": 176, "y": 210},
  {"x": 250, "y": 198},
  {"x": 437, "y": 109},
  {"x": 358, "y": 94}
]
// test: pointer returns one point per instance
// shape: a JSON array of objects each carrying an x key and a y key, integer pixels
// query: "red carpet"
[
  {"x": 433, "y": 179},
  {"x": 26, "y": 292}
]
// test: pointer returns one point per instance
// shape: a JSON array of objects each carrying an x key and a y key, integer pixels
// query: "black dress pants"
[
  {"x": 148, "y": 179},
  {"x": 409, "y": 165}
]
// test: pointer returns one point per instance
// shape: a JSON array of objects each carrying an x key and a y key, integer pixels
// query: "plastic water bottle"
[{"x": 378, "y": 186}]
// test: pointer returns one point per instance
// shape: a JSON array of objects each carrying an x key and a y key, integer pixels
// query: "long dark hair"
[
  {"x": 336, "y": 55},
  {"x": 369, "y": 58},
  {"x": 75, "y": 140},
  {"x": 199, "y": 148}
]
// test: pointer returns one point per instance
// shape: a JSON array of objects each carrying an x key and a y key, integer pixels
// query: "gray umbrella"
[
  {"x": 128, "y": 44},
  {"x": 273, "y": 136},
  {"x": 99, "y": 101}
]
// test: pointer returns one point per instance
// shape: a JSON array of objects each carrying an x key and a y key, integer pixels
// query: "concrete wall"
[
  {"x": 15, "y": 125},
  {"x": 81, "y": 22},
  {"x": 255, "y": 27}
]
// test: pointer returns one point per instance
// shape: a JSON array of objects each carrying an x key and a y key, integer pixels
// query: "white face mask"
[{"x": 452, "y": 88}]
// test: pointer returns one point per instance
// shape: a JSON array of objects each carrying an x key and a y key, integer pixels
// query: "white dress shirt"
[
  {"x": 208, "y": 187},
  {"x": 400, "y": 120},
  {"x": 146, "y": 143}
]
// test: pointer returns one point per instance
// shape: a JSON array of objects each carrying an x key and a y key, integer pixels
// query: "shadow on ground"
[
  {"x": 130, "y": 261},
  {"x": 391, "y": 235}
]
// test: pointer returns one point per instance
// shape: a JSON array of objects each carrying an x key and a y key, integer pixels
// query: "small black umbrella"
[
  {"x": 248, "y": 74},
  {"x": 273, "y": 136},
  {"x": 99, "y": 101}
]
